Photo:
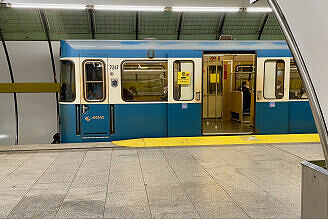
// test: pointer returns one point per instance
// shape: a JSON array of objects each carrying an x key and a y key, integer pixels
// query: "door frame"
[
  {"x": 83, "y": 101},
  {"x": 253, "y": 128}
]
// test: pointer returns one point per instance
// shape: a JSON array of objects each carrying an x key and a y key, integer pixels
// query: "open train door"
[
  {"x": 184, "y": 99},
  {"x": 94, "y": 108}
]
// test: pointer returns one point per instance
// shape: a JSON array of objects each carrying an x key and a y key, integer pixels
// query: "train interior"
[{"x": 228, "y": 93}]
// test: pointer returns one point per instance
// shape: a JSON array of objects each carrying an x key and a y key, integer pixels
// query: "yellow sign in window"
[
  {"x": 214, "y": 79},
  {"x": 183, "y": 77}
]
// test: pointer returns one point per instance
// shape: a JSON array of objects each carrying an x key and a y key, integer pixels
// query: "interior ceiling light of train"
[{"x": 22, "y": 21}]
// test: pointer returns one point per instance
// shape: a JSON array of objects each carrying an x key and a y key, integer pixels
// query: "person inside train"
[
  {"x": 246, "y": 96},
  {"x": 165, "y": 93},
  {"x": 95, "y": 92},
  {"x": 279, "y": 89},
  {"x": 129, "y": 93},
  {"x": 303, "y": 94},
  {"x": 66, "y": 93}
]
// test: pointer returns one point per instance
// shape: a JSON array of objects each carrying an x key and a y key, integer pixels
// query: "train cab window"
[
  {"x": 296, "y": 87},
  {"x": 274, "y": 74},
  {"x": 94, "y": 85},
  {"x": 183, "y": 86},
  {"x": 144, "y": 81},
  {"x": 67, "y": 81}
]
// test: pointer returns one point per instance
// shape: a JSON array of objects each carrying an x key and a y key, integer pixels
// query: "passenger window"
[
  {"x": 183, "y": 86},
  {"x": 144, "y": 81},
  {"x": 296, "y": 87},
  {"x": 67, "y": 81},
  {"x": 94, "y": 85},
  {"x": 274, "y": 73},
  {"x": 244, "y": 74}
]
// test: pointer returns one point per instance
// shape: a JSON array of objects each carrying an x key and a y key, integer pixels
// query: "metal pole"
[
  {"x": 45, "y": 24},
  {"x": 181, "y": 15},
  {"x": 207, "y": 96},
  {"x": 216, "y": 90},
  {"x": 313, "y": 99}
]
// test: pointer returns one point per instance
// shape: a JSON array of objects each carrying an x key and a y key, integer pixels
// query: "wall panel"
[{"x": 36, "y": 111}]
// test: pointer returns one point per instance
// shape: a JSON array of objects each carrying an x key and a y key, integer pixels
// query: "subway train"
[{"x": 115, "y": 90}]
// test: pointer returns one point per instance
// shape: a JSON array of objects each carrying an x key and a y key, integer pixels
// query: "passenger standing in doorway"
[{"x": 246, "y": 96}]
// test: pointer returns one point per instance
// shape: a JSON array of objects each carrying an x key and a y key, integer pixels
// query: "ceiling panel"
[
  {"x": 200, "y": 23},
  {"x": 68, "y": 21},
  {"x": 114, "y": 22},
  {"x": 242, "y": 23},
  {"x": 25, "y": 24},
  {"x": 19, "y": 20},
  {"x": 272, "y": 26},
  {"x": 158, "y": 23}
]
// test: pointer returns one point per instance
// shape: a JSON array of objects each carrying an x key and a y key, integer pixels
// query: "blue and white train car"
[{"x": 112, "y": 90}]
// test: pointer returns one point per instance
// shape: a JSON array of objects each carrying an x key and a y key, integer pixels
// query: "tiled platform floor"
[{"x": 192, "y": 182}]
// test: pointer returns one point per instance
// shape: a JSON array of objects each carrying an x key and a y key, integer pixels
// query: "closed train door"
[
  {"x": 184, "y": 107},
  {"x": 94, "y": 108},
  {"x": 272, "y": 107}
]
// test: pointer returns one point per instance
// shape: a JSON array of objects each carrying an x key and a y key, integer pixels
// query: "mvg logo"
[{"x": 88, "y": 119}]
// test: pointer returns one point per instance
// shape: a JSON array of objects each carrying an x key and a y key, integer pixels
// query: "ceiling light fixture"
[
  {"x": 129, "y": 8},
  {"x": 47, "y": 6},
  {"x": 205, "y": 9},
  {"x": 258, "y": 9}
]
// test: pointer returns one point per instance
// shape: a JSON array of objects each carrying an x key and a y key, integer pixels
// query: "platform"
[{"x": 233, "y": 181}]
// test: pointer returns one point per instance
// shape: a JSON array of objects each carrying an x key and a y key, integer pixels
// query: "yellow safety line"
[
  {"x": 218, "y": 140},
  {"x": 29, "y": 87}
]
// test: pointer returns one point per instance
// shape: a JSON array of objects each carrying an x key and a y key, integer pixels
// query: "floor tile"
[
  {"x": 81, "y": 209},
  {"x": 126, "y": 199},
  {"x": 220, "y": 209},
  {"x": 127, "y": 212},
  {"x": 177, "y": 211}
]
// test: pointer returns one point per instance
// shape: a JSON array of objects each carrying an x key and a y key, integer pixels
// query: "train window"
[
  {"x": 144, "y": 81},
  {"x": 242, "y": 74},
  {"x": 296, "y": 87},
  {"x": 183, "y": 86},
  {"x": 274, "y": 74},
  {"x": 67, "y": 81},
  {"x": 215, "y": 76},
  {"x": 94, "y": 85}
]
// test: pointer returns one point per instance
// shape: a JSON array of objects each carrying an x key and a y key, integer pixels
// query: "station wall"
[{"x": 37, "y": 114}]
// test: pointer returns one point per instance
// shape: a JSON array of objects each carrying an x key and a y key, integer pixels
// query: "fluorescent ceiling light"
[
  {"x": 205, "y": 9},
  {"x": 258, "y": 9},
  {"x": 128, "y": 8},
  {"x": 47, "y": 6}
]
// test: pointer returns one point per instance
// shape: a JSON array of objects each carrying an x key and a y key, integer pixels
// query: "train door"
[
  {"x": 272, "y": 95},
  {"x": 184, "y": 105},
  {"x": 228, "y": 91},
  {"x": 94, "y": 108}
]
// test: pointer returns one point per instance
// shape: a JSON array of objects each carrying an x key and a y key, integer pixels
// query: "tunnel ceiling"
[{"x": 25, "y": 24}]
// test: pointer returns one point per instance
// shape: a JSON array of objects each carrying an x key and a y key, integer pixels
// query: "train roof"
[{"x": 73, "y": 48}]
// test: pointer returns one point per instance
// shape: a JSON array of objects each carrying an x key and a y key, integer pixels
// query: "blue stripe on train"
[
  {"x": 274, "y": 53},
  {"x": 284, "y": 117},
  {"x": 68, "y": 51}
]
